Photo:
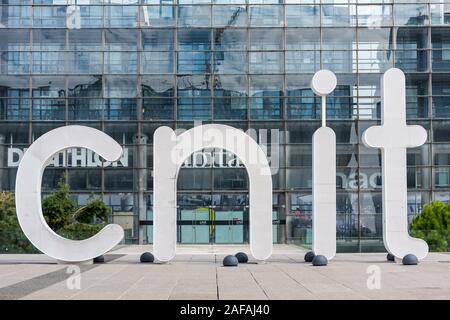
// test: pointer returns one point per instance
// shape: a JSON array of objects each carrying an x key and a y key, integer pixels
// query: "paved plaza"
[{"x": 197, "y": 273}]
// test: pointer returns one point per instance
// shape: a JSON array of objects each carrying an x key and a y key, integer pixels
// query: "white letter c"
[{"x": 28, "y": 193}]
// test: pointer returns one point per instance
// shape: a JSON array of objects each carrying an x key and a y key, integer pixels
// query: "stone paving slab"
[
  {"x": 13, "y": 274},
  {"x": 197, "y": 273}
]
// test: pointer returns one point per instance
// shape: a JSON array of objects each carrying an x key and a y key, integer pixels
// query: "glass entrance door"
[
  {"x": 212, "y": 218},
  {"x": 205, "y": 225},
  {"x": 229, "y": 226},
  {"x": 194, "y": 225}
]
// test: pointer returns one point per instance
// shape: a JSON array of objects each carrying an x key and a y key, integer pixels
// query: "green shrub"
[
  {"x": 79, "y": 231},
  {"x": 94, "y": 211},
  {"x": 433, "y": 225},
  {"x": 61, "y": 214},
  {"x": 12, "y": 238},
  {"x": 58, "y": 207}
]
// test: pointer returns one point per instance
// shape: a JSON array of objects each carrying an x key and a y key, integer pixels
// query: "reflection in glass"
[
  {"x": 121, "y": 16},
  {"x": 226, "y": 16},
  {"x": 129, "y": 67},
  {"x": 84, "y": 109},
  {"x": 411, "y": 14}
]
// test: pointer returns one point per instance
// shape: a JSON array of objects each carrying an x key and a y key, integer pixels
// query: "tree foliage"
[
  {"x": 94, "y": 211},
  {"x": 433, "y": 225},
  {"x": 79, "y": 231},
  {"x": 61, "y": 214},
  {"x": 12, "y": 238},
  {"x": 7, "y": 208},
  {"x": 58, "y": 207}
]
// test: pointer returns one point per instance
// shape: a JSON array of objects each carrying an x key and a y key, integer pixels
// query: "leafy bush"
[
  {"x": 433, "y": 225},
  {"x": 94, "y": 211},
  {"x": 58, "y": 207},
  {"x": 12, "y": 238},
  {"x": 61, "y": 214},
  {"x": 79, "y": 231}
]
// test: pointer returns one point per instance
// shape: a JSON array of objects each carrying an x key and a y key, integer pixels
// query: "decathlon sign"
[
  {"x": 73, "y": 157},
  {"x": 170, "y": 151}
]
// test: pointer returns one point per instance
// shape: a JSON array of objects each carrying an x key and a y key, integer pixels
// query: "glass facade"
[{"x": 127, "y": 67}]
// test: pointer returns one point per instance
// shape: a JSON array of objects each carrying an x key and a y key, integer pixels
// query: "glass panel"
[
  {"x": 85, "y": 62},
  {"x": 302, "y": 15},
  {"x": 157, "y": 108},
  {"x": 440, "y": 14},
  {"x": 231, "y": 62},
  {"x": 303, "y": 39},
  {"x": 14, "y": 40},
  {"x": 120, "y": 109},
  {"x": 48, "y": 87},
  {"x": 13, "y": 62},
  {"x": 15, "y": 16},
  {"x": 121, "y": 16},
  {"x": 48, "y": 109},
  {"x": 120, "y": 86},
  {"x": 196, "y": 15},
  {"x": 374, "y": 15},
  {"x": 157, "y": 16},
  {"x": 157, "y": 40},
  {"x": 230, "y": 39},
  {"x": 265, "y": 16},
  {"x": 84, "y": 109},
  {"x": 85, "y": 40},
  {"x": 49, "y": 17},
  {"x": 411, "y": 14},
  {"x": 338, "y": 15},
  {"x": 14, "y": 109},
  {"x": 227, "y": 16}
]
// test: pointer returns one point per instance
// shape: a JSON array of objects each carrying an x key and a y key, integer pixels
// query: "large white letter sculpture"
[
  {"x": 28, "y": 194},
  {"x": 324, "y": 173},
  {"x": 393, "y": 137},
  {"x": 170, "y": 151}
]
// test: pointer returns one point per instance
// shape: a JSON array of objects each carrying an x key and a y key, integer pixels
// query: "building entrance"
[
  {"x": 209, "y": 218},
  {"x": 203, "y": 225}
]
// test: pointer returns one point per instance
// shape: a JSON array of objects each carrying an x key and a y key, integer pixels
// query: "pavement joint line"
[
  {"x": 338, "y": 282},
  {"x": 173, "y": 288},
  {"x": 131, "y": 287},
  {"x": 290, "y": 258},
  {"x": 259, "y": 285},
  {"x": 295, "y": 280},
  {"x": 217, "y": 278},
  {"x": 95, "y": 283}
]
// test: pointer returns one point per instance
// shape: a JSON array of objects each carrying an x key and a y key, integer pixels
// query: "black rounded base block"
[
  {"x": 99, "y": 259},
  {"x": 147, "y": 257},
  {"x": 309, "y": 256},
  {"x": 319, "y": 261},
  {"x": 390, "y": 257},
  {"x": 230, "y": 261},
  {"x": 410, "y": 260},
  {"x": 242, "y": 257}
]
